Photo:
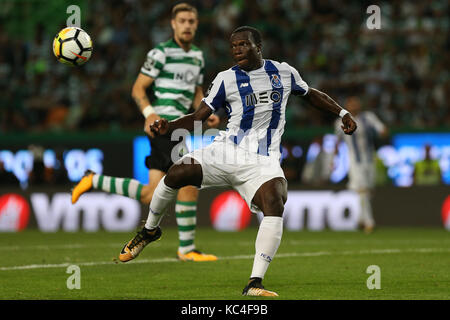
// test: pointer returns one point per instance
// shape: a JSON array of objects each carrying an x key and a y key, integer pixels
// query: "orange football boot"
[
  {"x": 83, "y": 186},
  {"x": 196, "y": 255},
  {"x": 256, "y": 289},
  {"x": 134, "y": 247}
]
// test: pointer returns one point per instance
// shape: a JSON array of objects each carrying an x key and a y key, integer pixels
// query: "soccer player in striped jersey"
[
  {"x": 246, "y": 157},
  {"x": 361, "y": 148},
  {"x": 174, "y": 70}
]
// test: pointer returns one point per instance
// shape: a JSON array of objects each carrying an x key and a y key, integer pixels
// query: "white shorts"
[
  {"x": 224, "y": 164},
  {"x": 361, "y": 176}
]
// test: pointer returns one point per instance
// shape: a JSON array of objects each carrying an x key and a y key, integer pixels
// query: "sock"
[
  {"x": 366, "y": 216},
  {"x": 127, "y": 187},
  {"x": 266, "y": 245},
  {"x": 162, "y": 197},
  {"x": 186, "y": 220}
]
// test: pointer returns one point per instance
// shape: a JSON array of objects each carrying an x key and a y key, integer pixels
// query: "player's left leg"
[
  {"x": 186, "y": 215},
  {"x": 270, "y": 198}
]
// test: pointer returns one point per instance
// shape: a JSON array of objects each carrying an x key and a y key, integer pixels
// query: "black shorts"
[{"x": 162, "y": 147}]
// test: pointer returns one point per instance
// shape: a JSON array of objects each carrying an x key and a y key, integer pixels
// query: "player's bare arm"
[
  {"x": 213, "y": 120},
  {"x": 321, "y": 100},
  {"x": 139, "y": 95},
  {"x": 163, "y": 127}
]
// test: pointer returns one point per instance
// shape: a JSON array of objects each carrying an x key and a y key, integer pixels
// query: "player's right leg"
[
  {"x": 132, "y": 249},
  {"x": 154, "y": 176},
  {"x": 178, "y": 176}
]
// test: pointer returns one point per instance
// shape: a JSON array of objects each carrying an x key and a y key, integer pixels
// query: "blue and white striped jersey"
[{"x": 255, "y": 102}]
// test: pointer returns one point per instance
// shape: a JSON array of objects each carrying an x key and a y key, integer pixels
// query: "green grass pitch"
[{"x": 414, "y": 264}]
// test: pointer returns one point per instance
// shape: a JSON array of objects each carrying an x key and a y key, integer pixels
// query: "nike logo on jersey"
[
  {"x": 81, "y": 57},
  {"x": 245, "y": 84}
]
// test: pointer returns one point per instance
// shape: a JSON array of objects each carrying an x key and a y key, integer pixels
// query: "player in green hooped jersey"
[{"x": 175, "y": 69}]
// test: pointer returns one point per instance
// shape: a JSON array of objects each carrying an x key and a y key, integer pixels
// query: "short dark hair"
[
  {"x": 183, "y": 6},
  {"x": 255, "y": 33}
]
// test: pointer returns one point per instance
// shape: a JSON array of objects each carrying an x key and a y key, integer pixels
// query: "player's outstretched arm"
[
  {"x": 213, "y": 120},
  {"x": 164, "y": 127},
  {"x": 321, "y": 100}
]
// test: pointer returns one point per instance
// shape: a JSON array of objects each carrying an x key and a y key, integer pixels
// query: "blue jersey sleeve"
[
  {"x": 298, "y": 86},
  {"x": 216, "y": 96}
]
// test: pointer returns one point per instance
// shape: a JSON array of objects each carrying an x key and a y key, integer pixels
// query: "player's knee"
[
  {"x": 174, "y": 177},
  {"x": 273, "y": 205},
  {"x": 271, "y": 197},
  {"x": 278, "y": 207}
]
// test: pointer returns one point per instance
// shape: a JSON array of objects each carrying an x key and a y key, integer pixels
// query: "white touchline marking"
[
  {"x": 240, "y": 243},
  {"x": 53, "y": 247},
  {"x": 64, "y": 246},
  {"x": 237, "y": 257}
]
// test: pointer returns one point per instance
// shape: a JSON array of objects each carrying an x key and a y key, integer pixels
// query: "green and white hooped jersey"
[{"x": 176, "y": 73}]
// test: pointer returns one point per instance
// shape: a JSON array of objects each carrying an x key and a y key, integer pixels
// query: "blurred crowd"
[{"x": 401, "y": 71}]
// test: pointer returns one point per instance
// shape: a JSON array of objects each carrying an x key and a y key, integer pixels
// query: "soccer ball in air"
[{"x": 72, "y": 46}]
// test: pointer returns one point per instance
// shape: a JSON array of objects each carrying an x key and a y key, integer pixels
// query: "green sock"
[
  {"x": 127, "y": 187},
  {"x": 185, "y": 212}
]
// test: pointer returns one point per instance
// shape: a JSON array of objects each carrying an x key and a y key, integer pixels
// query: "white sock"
[
  {"x": 266, "y": 245},
  {"x": 162, "y": 197}
]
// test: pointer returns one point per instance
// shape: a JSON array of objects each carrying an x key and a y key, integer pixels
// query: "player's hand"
[
  {"x": 159, "y": 127},
  {"x": 348, "y": 124},
  {"x": 148, "y": 121},
  {"x": 213, "y": 121}
]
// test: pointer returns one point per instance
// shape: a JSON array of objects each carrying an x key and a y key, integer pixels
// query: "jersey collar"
[{"x": 256, "y": 70}]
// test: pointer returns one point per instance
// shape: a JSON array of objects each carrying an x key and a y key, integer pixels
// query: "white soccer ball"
[{"x": 72, "y": 46}]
